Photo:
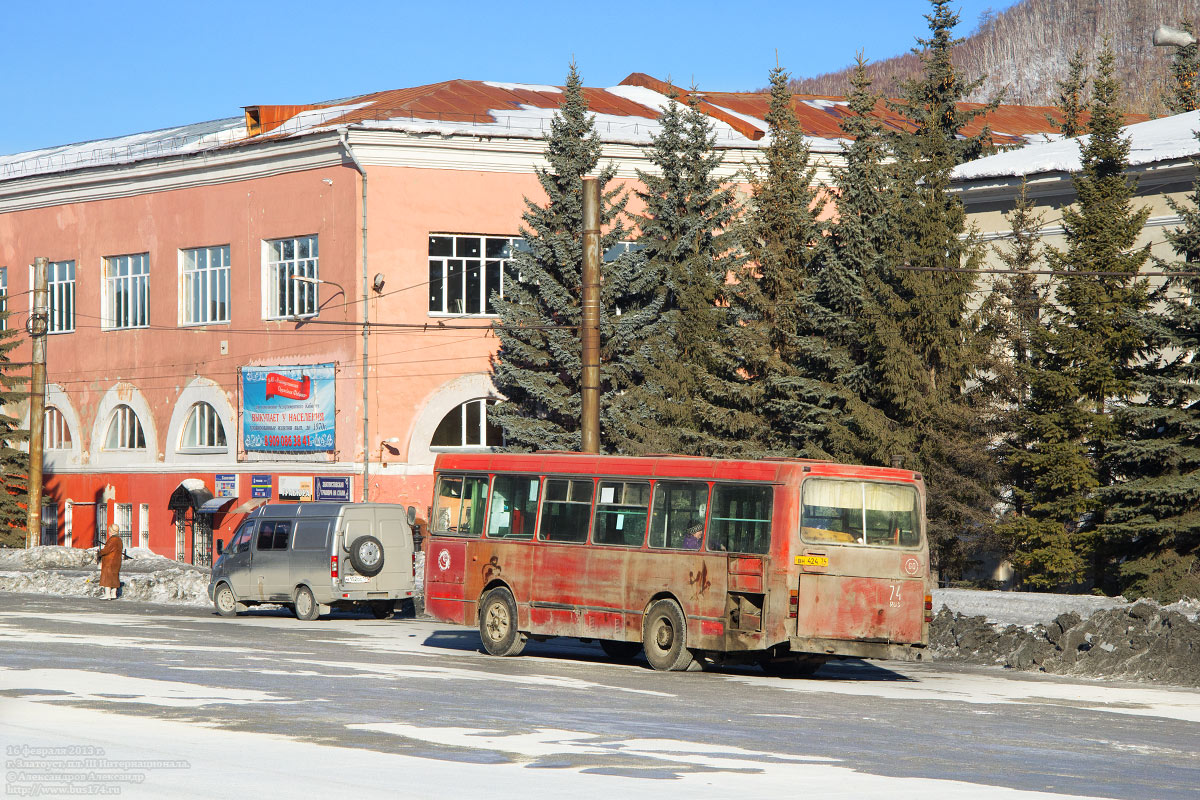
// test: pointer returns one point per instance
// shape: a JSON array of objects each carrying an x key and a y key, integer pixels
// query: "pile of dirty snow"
[
  {"x": 1070, "y": 635},
  {"x": 73, "y": 571}
]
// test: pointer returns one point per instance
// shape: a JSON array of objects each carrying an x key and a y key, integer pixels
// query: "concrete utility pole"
[
  {"x": 590, "y": 330},
  {"x": 38, "y": 325}
]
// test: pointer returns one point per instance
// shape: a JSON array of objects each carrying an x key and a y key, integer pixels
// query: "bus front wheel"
[
  {"x": 664, "y": 637},
  {"x": 498, "y": 624}
]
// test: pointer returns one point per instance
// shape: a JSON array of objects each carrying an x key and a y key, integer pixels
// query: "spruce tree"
[
  {"x": 1152, "y": 523},
  {"x": 1101, "y": 333},
  {"x": 14, "y": 461},
  {"x": 689, "y": 393},
  {"x": 538, "y": 365},
  {"x": 788, "y": 327},
  {"x": 1039, "y": 450},
  {"x": 1072, "y": 100},
  {"x": 926, "y": 339},
  {"x": 1184, "y": 94}
]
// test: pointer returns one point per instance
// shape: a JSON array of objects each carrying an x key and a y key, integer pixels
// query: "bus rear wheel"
[
  {"x": 664, "y": 637},
  {"x": 498, "y": 624}
]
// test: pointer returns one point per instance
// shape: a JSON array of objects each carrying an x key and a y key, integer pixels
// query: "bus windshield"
[{"x": 860, "y": 512}]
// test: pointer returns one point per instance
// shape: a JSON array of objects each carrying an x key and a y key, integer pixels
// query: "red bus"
[{"x": 786, "y": 562}]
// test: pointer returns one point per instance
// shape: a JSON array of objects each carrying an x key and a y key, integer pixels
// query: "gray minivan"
[{"x": 312, "y": 557}]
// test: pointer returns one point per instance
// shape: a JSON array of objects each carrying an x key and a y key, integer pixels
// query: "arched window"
[
  {"x": 56, "y": 433},
  {"x": 203, "y": 429},
  {"x": 125, "y": 430},
  {"x": 468, "y": 426}
]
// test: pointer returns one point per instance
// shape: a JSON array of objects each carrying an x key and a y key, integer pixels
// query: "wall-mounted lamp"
[
  {"x": 390, "y": 445},
  {"x": 377, "y": 283},
  {"x": 306, "y": 279}
]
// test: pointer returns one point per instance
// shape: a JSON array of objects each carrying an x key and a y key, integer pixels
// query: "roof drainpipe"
[{"x": 366, "y": 321}]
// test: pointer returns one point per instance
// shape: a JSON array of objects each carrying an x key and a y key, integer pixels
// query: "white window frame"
[
  {"x": 68, "y": 523},
  {"x": 60, "y": 296},
  {"x": 203, "y": 420},
  {"x": 129, "y": 429},
  {"x": 125, "y": 276},
  {"x": 301, "y": 298},
  {"x": 3, "y": 298},
  {"x": 144, "y": 525},
  {"x": 461, "y": 410},
  {"x": 204, "y": 296},
  {"x": 56, "y": 432},
  {"x": 442, "y": 265}
]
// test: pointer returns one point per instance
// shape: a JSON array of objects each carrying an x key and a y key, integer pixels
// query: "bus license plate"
[{"x": 812, "y": 561}]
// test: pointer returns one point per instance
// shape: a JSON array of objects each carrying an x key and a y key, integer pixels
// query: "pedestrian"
[{"x": 110, "y": 557}]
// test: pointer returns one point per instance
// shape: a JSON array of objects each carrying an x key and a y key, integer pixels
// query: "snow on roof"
[
  {"x": 1164, "y": 139},
  {"x": 627, "y": 113}
]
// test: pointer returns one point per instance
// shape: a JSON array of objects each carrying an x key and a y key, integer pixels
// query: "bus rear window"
[
  {"x": 460, "y": 505},
  {"x": 860, "y": 512}
]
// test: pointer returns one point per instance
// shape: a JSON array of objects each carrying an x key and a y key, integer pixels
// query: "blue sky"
[{"x": 80, "y": 69}]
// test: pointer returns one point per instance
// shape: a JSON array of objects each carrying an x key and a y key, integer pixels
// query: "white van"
[{"x": 312, "y": 557}]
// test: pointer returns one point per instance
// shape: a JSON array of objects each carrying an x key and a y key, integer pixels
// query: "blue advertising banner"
[
  {"x": 261, "y": 486},
  {"x": 288, "y": 409},
  {"x": 333, "y": 490}
]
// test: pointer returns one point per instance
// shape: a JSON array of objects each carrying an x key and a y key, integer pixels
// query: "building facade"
[{"x": 293, "y": 304}]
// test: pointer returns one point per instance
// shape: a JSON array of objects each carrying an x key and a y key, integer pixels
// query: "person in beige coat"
[{"x": 110, "y": 557}]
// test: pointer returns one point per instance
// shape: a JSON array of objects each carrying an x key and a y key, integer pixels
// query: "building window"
[
  {"x": 468, "y": 426},
  {"x": 203, "y": 429},
  {"x": 3, "y": 298},
  {"x": 124, "y": 522},
  {"x": 465, "y": 271},
  {"x": 285, "y": 260},
  {"x": 204, "y": 298},
  {"x": 56, "y": 433},
  {"x": 60, "y": 283},
  {"x": 125, "y": 431},
  {"x": 126, "y": 292},
  {"x": 49, "y": 523}
]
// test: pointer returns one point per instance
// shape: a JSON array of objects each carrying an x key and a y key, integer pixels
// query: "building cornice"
[
  {"x": 1060, "y": 185},
  {"x": 226, "y": 165}
]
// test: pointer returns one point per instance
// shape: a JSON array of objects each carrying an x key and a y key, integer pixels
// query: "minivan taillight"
[{"x": 333, "y": 567}]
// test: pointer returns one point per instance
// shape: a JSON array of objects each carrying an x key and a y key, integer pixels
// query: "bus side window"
[
  {"x": 679, "y": 512},
  {"x": 514, "y": 507},
  {"x": 621, "y": 511},
  {"x": 566, "y": 510},
  {"x": 460, "y": 505},
  {"x": 741, "y": 518}
]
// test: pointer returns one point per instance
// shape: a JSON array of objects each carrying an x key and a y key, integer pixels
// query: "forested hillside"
[{"x": 1024, "y": 51}]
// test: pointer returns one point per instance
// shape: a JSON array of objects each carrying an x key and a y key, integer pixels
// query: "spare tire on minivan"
[{"x": 366, "y": 556}]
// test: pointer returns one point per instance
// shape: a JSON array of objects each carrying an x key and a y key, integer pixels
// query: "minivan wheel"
[
  {"x": 366, "y": 555},
  {"x": 225, "y": 602},
  {"x": 664, "y": 637},
  {"x": 306, "y": 605},
  {"x": 498, "y": 624}
]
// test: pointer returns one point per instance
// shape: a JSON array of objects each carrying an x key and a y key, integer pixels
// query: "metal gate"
[{"x": 202, "y": 540}]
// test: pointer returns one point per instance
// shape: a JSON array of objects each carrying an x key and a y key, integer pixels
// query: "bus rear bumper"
[{"x": 857, "y": 649}]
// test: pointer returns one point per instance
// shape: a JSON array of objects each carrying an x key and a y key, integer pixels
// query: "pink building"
[{"x": 228, "y": 299}]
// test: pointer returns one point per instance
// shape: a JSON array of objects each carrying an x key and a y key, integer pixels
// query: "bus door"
[
  {"x": 740, "y": 525},
  {"x": 618, "y": 532},
  {"x": 460, "y": 506},
  {"x": 861, "y": 562},
  {"x": 560, "y": 589}
]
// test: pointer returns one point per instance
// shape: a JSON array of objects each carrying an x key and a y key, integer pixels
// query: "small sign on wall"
[
  {"x": 226, "y": 485},
  {"x": 295, "y": 488},
  {"x": 261, "y": 486},
  {"x": 334, "y": 490}
]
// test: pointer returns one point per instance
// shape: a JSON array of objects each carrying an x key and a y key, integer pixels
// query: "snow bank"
[{"x": 73, "y": 572}]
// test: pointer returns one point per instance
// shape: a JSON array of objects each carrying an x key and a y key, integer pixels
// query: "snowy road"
[{"x": 160, "y": 701}]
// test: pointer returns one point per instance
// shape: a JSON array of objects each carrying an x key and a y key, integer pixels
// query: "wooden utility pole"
[
  {"x": 38, "y": 325},
  {"x": 590, "y": 329}
]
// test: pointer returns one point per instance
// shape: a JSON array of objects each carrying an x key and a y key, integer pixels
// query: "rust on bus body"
[{"x": 799, "y": 591}]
